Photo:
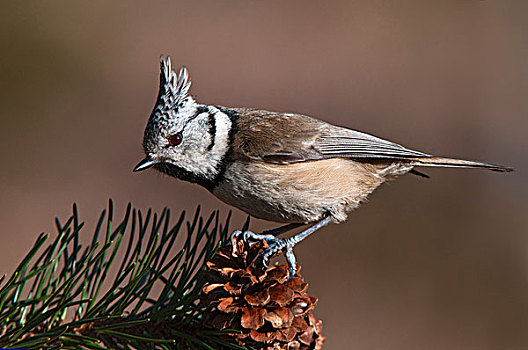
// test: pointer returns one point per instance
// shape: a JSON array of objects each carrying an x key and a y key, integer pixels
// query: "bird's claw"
[
  {"x": 275, "y": 245},
  {"x": 278, "y": 245},
  {"x": 250, "y": 238}
]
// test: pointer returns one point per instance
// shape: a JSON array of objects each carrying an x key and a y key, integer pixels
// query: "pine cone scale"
[{"x": 270, "y": 310}]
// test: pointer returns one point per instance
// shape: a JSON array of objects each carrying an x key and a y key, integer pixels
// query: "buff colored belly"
[{"x": 301, "y": 192}]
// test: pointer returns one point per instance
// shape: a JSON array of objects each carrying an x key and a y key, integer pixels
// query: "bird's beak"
[{"x": 145, "y": 164}]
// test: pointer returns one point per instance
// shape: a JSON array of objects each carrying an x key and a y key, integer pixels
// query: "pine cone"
[{"x": 270, "y": 311}]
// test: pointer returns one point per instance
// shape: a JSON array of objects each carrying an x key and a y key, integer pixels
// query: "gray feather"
[
  {"x": 342, "y": 142},
  {"x": 291, "y": 138}
]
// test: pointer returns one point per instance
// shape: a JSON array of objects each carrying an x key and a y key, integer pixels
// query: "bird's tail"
[{"x": 458, "y": 163}]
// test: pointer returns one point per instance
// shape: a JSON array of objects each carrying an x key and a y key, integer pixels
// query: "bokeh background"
[{"x": 425, "y": 264}]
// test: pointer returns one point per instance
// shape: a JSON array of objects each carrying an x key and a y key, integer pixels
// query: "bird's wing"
[
  {"x": 342, "y": 142},
  {"x": 289, "y": 138}
]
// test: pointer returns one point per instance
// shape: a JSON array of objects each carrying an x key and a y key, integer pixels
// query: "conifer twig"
[{"x": 130, "y": 288}]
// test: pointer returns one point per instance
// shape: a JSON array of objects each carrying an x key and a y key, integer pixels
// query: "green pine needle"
[{"x": 134, "y": 286}]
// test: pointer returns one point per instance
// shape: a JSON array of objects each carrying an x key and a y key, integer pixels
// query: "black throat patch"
[{"x": 182, "y": 174}]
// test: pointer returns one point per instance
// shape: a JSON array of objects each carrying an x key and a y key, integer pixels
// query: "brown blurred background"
[{"x": 426, "y": 264}]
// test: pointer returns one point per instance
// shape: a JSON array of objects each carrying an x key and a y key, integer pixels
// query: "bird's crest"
[{"x": 173, "y": 89}]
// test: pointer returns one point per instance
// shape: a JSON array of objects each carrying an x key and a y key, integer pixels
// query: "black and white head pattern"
[{"x": 185, "y": 139}]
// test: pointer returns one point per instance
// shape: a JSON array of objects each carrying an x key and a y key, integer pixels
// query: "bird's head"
[{"x": 183, "y": 138}]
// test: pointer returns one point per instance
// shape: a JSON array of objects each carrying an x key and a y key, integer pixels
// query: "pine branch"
[{"x": 130, "y": 288}]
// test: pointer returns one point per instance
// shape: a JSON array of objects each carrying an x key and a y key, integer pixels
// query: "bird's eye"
[{"x": 176, "y": 139}]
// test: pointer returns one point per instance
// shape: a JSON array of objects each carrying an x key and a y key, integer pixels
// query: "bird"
[{"x": 282, "y": 167}]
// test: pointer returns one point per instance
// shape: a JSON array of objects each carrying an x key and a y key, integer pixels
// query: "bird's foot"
[
  {"x": 275, "y": 245},
  {"x": 281, "y": 245},
  {"x": 248, "y": 237}
]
